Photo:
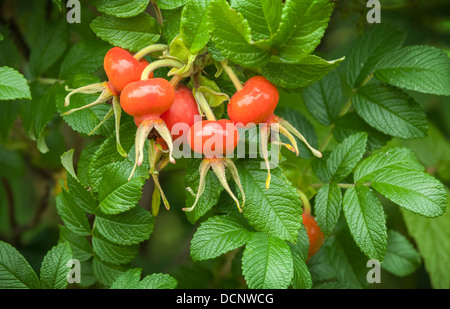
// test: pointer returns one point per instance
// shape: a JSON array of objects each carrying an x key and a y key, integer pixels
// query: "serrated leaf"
[
  {"x": 431, "y": 237},
  {"x": 210, "y": 196},
  {"x": 302, "y": 26},
  {"x": 276, "y": 211},
  {"x": 84, "y": 57},
  {"x": 366, "y": 221},
  {"x": 291, "y": 76},
  {"x": 267, "y": 263},
  {"x": 413, "y": 190},
  {"x": 424, "y": 69},
  {"x": 82, "y": 197},
  {"x": 390, "y": 111},
  {"x": 325, "y": 99},
  {"x": 106, "y": 273},
  {"x": 194, "y": 26},
  {"x": 369, "y": 49},
  {"x": 15, "y": 272},
  {"x": 115, "y": 193},
  {"x": 231, "y": 34},
  {"x": 263, "y": 16},
  {"x": 132, "y": 33},
  {"x": 128, "y": 228},
  {"x": 302, "y": 276},
  {"x": 128, "y": 280},
  {"x": 401, "y": 257},
  {"x": 112, "y": 253},
  {"x": 158, "y": 281},
  {"x": 352, "y": 123},
  {"x": 121, "y": 8},
  {"x": 54, "y": 267},
  {"x": 327, "y": 207},
  {"x": 397, "y": 157},
  {"x": 13, "y": 85},
  {"x": 218, "y": 235},
  {"x": 346, "y": 155},
  {"x": 81, "y": 248},
  {"x": 71, "y": 214}
]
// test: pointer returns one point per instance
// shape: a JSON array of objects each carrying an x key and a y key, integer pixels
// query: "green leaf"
[
  {"x": 231, "y": 34},
  {"x": 308, "y": 71},
  {"x": 424, "y": 69},
  {"x": 15, "y": 271},
  {"x": 13, "y": 85},
  {"x": 431, "y": 237},
  {"x": 71, "y": 214},
  {"x": 112, "y": 253},
  {"x": 352, "y": 123},
  {"x": 369, "y": 50},
  {"x": 210, "y": 196},
  {"x": 327, "y": 207},
  {"x": 277, "y": 211},
  {"x": 158, "y": 281},
  {"x": 81, "y": 196},
  {"x": 302, "y": 276},
  {"x": 194, "y": 27},
  {"x": 67, "y": 162},
  {"x": 107, "y": 273},
  {"x": 325, "y": 99},
  {"x": 54, "y": 267},
  {"x": 263, "y": 16},
  {"x": 84, "y": 57},
  {"x": 50, "y": 44},
  {"x": 9, "y": 111},
  {"x": 116, "y": 193},
  {"x": 218, "y": 235},
  {"x": 121, "y": 8},
  {"x": 391, "y": 111},
  {"x": 132, "y": 280},
  {"x": 413, "y": 190},
  {"x": 81, "y": 248},
  {"x": 399, "y": 157},
  {"x": 132, "y": 33},
  {"x": 366, "y": 221},
  {"x": 401, "y": 258},
  {"x": 128, "y": 228},
  {"x": 301, "y": 29},
  {"x": 346, "y": 155},
  {"x": 170, "y": 4},
  {"x": 267, "y": 263}
]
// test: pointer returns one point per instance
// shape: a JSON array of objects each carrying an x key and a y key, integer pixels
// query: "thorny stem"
[{"x": 232, "y": 75}]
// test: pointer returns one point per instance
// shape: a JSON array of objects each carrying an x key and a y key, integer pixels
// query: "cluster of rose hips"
[{"x": 157, "y": 105}]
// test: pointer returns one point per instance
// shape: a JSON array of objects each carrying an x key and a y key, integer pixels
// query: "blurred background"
[{"x": 30, "y": 180}]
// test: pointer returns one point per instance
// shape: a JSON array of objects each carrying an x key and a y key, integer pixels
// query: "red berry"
[
  {"x": 255, "y": 103},
  {"x": 122, "y": 68},
  {"x": 214, "y": 139},
  {"x": 315, "y": 235},
  {"x": 183, "y": 110},
  {"x": 148, "y": 98}
]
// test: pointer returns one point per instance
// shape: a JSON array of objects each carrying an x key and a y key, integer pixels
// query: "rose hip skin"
[
  {"x": 147, "y": 99},
  {"x": 315, "y": 235},
  {"x": 122, "y": 68},
  {"x": 213, "y": 139},
  {"x": 255, "y": 103},
  {"x": 183, "y": 110}
]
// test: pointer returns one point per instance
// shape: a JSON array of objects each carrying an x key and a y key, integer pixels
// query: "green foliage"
[{"x": 379, "y": 190}]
